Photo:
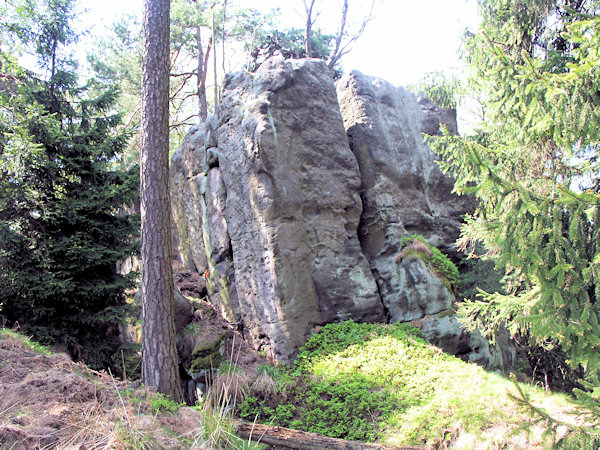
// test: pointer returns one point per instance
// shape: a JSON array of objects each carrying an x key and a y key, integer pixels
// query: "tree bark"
[
  {"x": 223, "y": 33},
  {"x": 308, "y": 7},
  {"x": 159, "y": 354},
  {"x": 288, "y": 438},
  {"x": 201, "y": 75},
  {"x": 214, "y": 37}
]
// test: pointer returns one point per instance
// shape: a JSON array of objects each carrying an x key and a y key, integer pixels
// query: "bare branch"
[
  {"x": 340, "y": 36},
  {"x": 188, "y": 95},
  {"x": 183, "y": 122},
  {"x": 173, "y": 96},
  {"x": 308, "y": 7},
  {"x": 342, "y": 48},
  {"x": 184, "y": 74}
]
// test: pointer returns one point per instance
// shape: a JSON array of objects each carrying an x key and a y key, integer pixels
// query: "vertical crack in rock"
[
  {"x": 404, "y": 192},
  {"x": 293, "y": 205},
  {"x": 295, "y": 227}
]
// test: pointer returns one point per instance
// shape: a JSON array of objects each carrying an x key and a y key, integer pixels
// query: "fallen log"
[{"x": 295, "y": 439}]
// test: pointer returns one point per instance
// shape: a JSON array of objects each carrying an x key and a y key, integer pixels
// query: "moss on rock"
[
  {"x": 207, "y": 355},
  {"x": 417, "y": 247}
]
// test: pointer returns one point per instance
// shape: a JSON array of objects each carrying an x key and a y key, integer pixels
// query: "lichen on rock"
[{"x": 208, "y": 355}]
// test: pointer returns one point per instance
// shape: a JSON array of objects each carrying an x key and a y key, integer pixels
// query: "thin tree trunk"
[
  {"x": 308, "y": 30},
  {"x": 214, "y": 36},
  {"x": 338, "y": 41},
  {"x": 159, "y": 354},
  {"x": 223, "y": 34},
  {"x": 201, "y": 77}
]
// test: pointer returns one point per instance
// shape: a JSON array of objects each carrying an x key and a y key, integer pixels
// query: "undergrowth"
[
  {"x": 339, "y": 386},
  {"x": 33, "y": 345},
  {"x": 373, "y": 382}
]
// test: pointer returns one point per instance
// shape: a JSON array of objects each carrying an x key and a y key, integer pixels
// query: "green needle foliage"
[
  {"x": 61, "y": 233},
  {"x": 533, "y": 165}
]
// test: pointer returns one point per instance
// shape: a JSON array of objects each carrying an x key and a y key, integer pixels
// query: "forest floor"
[
  {"x": 438, "y": 401},
  {"x": 48, "y": 401}
]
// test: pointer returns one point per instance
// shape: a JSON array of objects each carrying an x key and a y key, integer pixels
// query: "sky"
[{"x": 405, "y": 40}]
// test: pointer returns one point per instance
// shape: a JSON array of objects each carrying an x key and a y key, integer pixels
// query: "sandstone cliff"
[{"x": 293, "y": 202}]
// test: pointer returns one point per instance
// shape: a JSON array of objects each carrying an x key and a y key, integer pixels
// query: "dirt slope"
[{"x": 47, "y": 401}]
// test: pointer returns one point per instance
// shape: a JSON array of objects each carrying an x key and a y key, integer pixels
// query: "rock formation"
[
  {"x": 293, "y": 202},
  {"x": 293, "y": 205}
]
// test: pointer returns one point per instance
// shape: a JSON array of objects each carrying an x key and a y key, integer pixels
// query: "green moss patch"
[
  {"x": 207, "y": 355},
  {"x": 444, "y": 268},
  {"x": 384, "y": 382}
]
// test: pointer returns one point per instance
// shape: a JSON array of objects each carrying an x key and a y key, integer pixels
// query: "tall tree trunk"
[
  {"x": 214, "y": 36},
  {"x": 202, "y": 69},
  {"x": 308, "y": 7},
  {"x": 223, "y": 33},
  {"x": 159, "y": 354}
]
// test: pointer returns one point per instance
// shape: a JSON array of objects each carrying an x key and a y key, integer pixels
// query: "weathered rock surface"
[
  {"x": 445, "y": 331},
  {"x": 419, "y": 292},
  {"x": 404, "y": 192},
  {"x": 403, "y": 189},
  {"x": 186, "y": 211},
  {"x": 294, "y": 200},
  {"x": 293, "y": 205}
]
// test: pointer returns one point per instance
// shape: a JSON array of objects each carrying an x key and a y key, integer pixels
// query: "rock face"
[
  {"x": 404, "y": 192},
  {"x": 293, "y": 205},
  {"x": 419, "y": 292},
  {"x": 293, "y": 202},
  {"x": 403, "y": 189}
]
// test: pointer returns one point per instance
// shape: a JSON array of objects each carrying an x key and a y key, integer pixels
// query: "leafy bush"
[{"x": 162, "y": 404}]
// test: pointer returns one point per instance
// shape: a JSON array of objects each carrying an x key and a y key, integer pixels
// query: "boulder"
[
  {"x": 425, "y": 299},
  {"x": 434, "y": 115},
  {"x": 179, "y": 228},
  {"x": 445, "y": 331},
  {"x": 218, "y": 244},
  {"x": 191, "y": 203},
  {"x": 420, "y": 291},
  {"x": 404, "y": 192},
  {"x": 293, "y": 205},
  {"x": 188, "y": 172},
  {"x": 184, "y": 310}
]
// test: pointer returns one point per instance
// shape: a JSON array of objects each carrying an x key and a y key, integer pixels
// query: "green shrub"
[
  {"x": 316, "y": 396},
  {"x": 378, "y": 382},
  {"x": 162, "y": 404}
]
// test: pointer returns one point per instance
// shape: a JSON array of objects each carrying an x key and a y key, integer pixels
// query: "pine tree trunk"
[
  {"x": 214, "y": 39},
  {"x": 159, "y": 354}
]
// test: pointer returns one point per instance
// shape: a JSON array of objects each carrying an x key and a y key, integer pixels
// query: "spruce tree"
[
  {"x": 61, "y": 233},
  {"x": 533, "y": 166}
]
